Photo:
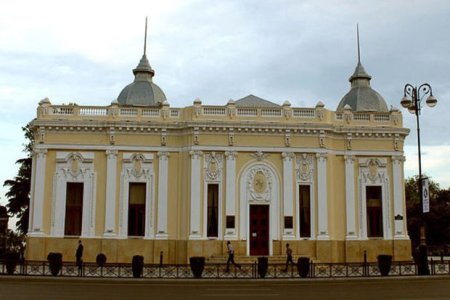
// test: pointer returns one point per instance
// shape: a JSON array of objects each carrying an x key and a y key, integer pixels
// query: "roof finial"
[
  {"x": 357, "y": 37},
  {"x": 145, "y": 39}
]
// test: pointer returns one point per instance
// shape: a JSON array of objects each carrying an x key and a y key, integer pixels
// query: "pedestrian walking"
[
  {"x": 289, "y": 257},
  {"x": 230, "y": 260},
  {"x": 79, "y": 257}
]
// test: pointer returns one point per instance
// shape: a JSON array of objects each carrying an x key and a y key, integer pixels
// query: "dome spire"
[
  {"x": 360, "y": 72},
  {"x": 142, "y": 91},
  {"x": 357, "y": 37},
  {"x": 145, "y": 38},
  {"x": 144, "y": 66},
  {"x": 361, "y": 96}
]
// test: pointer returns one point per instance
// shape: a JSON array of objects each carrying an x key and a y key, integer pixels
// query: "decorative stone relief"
[
  {"x": 259, "y": 183},
  {"x": 373, "y": 170},
  {"x": 112, "y": 136},
  {"x": 304, "y": 167},
  {"x": 322, "y": 139},
  {"x": 231, "y": 137},
  {"x": 259, "y": 155},
  {"x": 163, "y": 137},
  {"x": 213, "y": 167},
  {"x": 396, "y": 142},
  {"x": 287, "y": 138},
  {"x": 348, "y": 141},
  {"x": 41, "y": 135},
  {"x": 196, "y": 135}
]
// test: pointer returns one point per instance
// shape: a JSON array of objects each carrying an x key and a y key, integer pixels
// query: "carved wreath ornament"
[{"x": 259, "y": 183}]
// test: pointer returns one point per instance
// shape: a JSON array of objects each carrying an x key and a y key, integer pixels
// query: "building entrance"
[{"x": 259, "y": 229}]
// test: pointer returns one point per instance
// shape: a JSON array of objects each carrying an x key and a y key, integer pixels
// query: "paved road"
[{"x": 75, "y": 288}]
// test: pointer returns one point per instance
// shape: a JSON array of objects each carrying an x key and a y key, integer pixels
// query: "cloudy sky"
[{"x": 301, "y": 51}]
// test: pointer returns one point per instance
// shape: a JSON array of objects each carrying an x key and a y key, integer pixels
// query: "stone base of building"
[{"x": 179, "y": 251}]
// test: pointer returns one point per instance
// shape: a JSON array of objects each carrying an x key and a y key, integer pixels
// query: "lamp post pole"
[{"x": 414, "y": 106}]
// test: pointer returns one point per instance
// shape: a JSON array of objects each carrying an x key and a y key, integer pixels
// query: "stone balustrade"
[{"x": 198, "y": 112}]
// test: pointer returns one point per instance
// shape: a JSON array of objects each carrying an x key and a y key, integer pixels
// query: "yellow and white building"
[{"x": 141, "y": 177}]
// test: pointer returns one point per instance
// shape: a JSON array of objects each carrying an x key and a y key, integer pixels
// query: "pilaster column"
[
  {"x": 288, "y": 194},
  {"x": 110, "y": 207},
  {"x": 350, "y": 198},
  {"x": 322, "y": 197},
  {"x": 195, "y": 233},
  {"x": 230, "y": 192},
  {"x": 39, "y": 187},
  {"x": 163, "y": 175},
  {"x": 398, "y": 185}
]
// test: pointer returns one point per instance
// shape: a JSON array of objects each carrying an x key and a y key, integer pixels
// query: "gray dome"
[
  {"x": 361, "y": 96},
  {"x": 142, "y": 92}
]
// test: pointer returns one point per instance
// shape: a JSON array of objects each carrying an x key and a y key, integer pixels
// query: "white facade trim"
[
  {"x": 305, "y": 176},
  {"x": 37, "y": 192},
  {"x": 73, "y": 167},
  {"x": 137, "y": 168},
  {"x": 269, "y": 196},
  {"x": 213, "y": 174},
  {"x": 322, "y": 197},
  {"x": 397, "y": 182},
  {"x": 288, "y": 192},
  {"x": 373, "y": 172},
  {"x": 350, "y": 199},
  {"x": 312, "y": 150},
  {"x": 163, "y": 175},
  {"x": 195, "y": 215},
  {"x": 110, "y": 203},
  {"x": 230, "y": 196}
]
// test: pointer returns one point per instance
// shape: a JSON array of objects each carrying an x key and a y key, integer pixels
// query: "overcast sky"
[{"x": 301, "y": 51}]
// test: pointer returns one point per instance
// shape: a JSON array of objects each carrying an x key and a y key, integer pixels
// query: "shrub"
[
  {"x": 55, "y": 262},
  {"x": 137, "y": 265},
  {"x": 384, "y": 264},
  {"x": 303, "y": 266},
  {"x": 262, "y": 266},
  {"x": 197, "y": 264}
]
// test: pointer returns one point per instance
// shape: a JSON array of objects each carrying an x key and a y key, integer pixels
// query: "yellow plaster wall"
[{"x": 100, "y": 188}]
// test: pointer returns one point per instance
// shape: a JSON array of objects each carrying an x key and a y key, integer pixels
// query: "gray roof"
[
  {"x": 361, "y": 96},
  {"x": 142, "y": 91},
  {"x": 253, "y": 101}
]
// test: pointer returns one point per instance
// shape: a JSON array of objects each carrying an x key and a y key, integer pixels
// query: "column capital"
[
  {"x": 321, "y": 156},
  {"x": 398, "y": 159},
  {"x": 288, "y": 156},
  {"x": 230, "y": 155},
  {"x": 40, "y": 152},
  {"x": 349, "y": 159},
  {"x": 111, "y": 154},
  {"x": 195, "y": 154},
  {"x": 163, "y": 155}
]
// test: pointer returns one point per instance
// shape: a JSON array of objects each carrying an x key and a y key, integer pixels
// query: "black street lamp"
[{"x": 414, "y": 106}]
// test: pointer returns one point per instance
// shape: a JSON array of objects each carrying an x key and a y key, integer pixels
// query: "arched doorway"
[{"x": 259, "y": 208}]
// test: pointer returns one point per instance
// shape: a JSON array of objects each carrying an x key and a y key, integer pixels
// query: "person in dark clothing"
[
  {"x": 230, "y": 260},
  {"x": 289, "y": 257},
  {"x": 79, "y": 257}
]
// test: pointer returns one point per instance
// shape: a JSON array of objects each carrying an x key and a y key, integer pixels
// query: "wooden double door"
[{"x": 259, "y": 229}]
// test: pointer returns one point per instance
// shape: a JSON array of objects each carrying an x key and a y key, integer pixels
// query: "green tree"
[
  {"x": 19, "y": 188},
  {"x": 437, "y": 221}
]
